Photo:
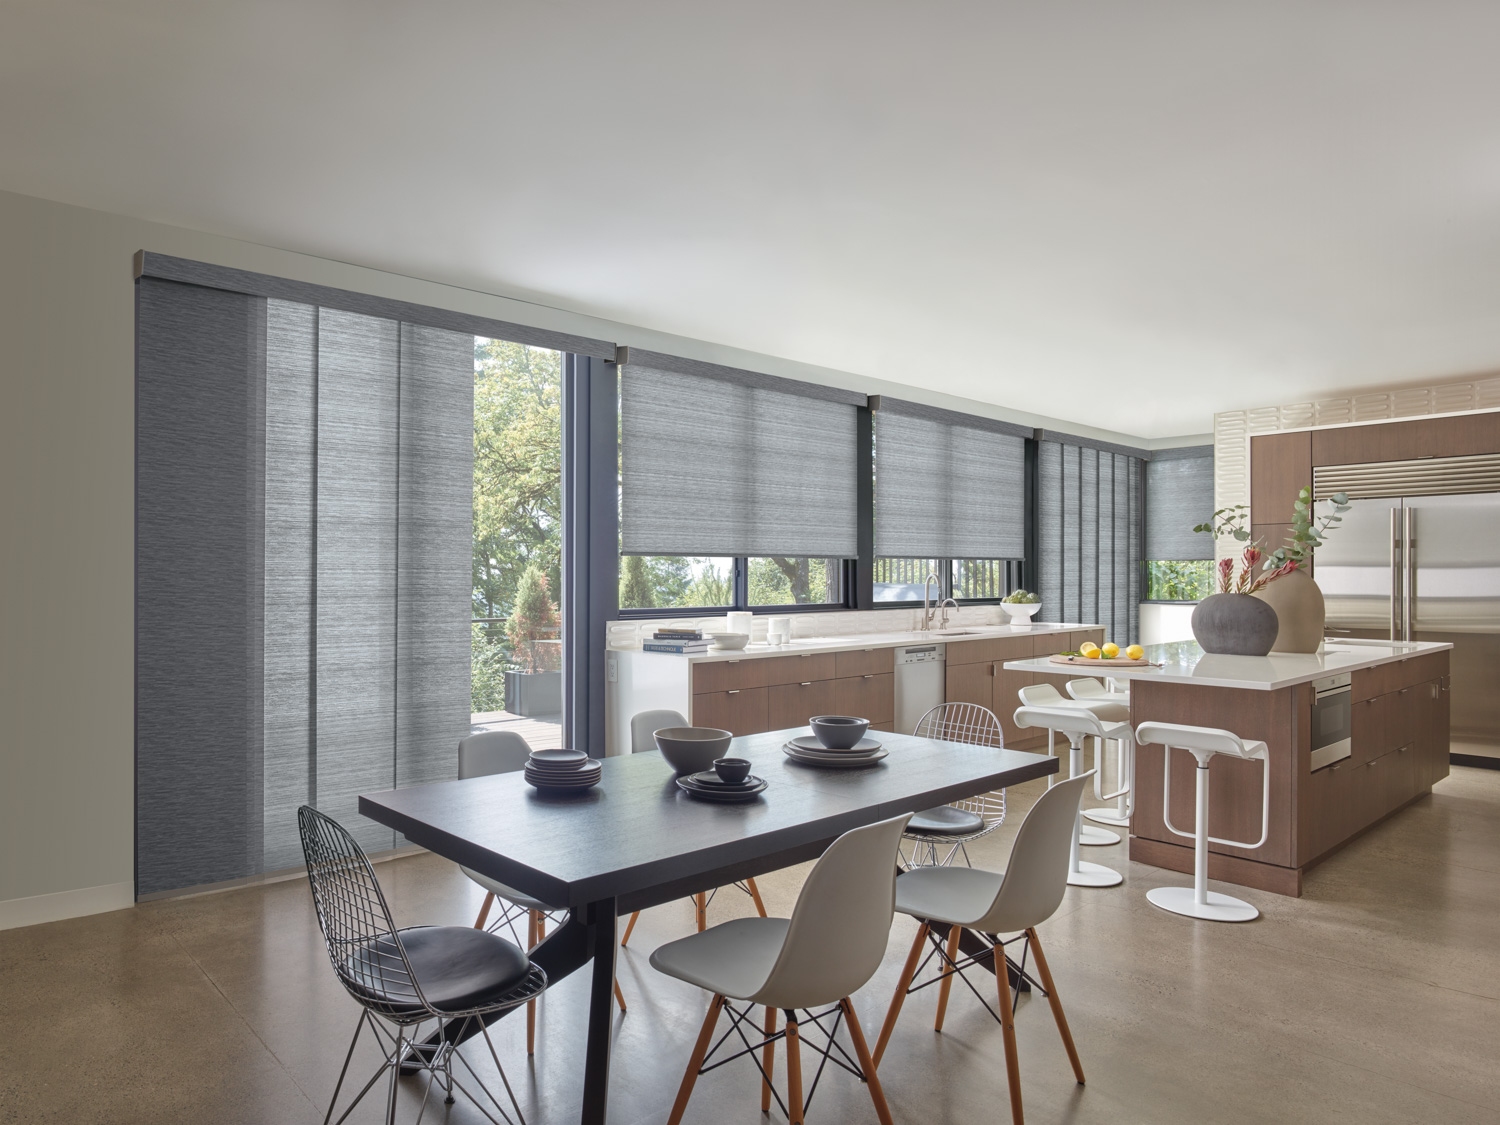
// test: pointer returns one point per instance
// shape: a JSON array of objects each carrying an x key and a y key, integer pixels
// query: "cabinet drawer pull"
[
  {"x": 736, "y": 691},
  {"x": 805, "y": 683},
  {"x": 871, "y": 676}
]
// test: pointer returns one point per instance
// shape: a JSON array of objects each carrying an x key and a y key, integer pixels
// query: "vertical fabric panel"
[
  {"x": 200, "y": 370},
  {"x": 947, "y": 491},
  {"x": 290, "y": 575},
  {"x": 434, "y": 583},
  {"x": 1089, "y": 532},
  {"x": 713, "y": 467},
  {"x": 1179, "y": 496},
  {"x": 358, "y": 444}
]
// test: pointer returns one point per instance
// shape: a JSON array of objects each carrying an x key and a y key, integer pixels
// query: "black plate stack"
[
  {"x": 810, "y": 752},
  {"x": 563, "y": 771},
  {"x": 709, "y": 786}
]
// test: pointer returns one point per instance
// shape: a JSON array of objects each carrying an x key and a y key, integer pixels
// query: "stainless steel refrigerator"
[{"x": 1424, "y": 568}]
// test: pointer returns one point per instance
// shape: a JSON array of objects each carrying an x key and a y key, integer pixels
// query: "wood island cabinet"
[{"x": 976, "y": 674}]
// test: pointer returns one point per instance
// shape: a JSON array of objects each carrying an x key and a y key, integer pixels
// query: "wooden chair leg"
[
  {"x": 768, "y": 1062},
  {"x": 1057, "y": 1009},
  {"x": 1008, "y": 1027},
  {"x": 484, "y": 911},
  {"x": 793, "y": 1071},
  {"x": 866, "y": 1064},
  {"x": 541, "y": 926},
  {"x": 760, "y": 907},
  {"x": 629, "y": 928},
  {"x": 954, "y": 933},
  {"x": 909, "y": 971},
  {"x": 695, "y": 1060},
  {"x": 533, "y": 919},
  {"x": 700, "y": 901},
  {"x": 619, "y": 997}
]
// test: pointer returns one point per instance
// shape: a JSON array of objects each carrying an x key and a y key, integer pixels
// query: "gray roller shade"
[
  {"x": 719, "y": 466},
  {"x": 947, "y": 487},
  {"x": 1089, "y": 532},
  {"x": 1179, "y": 495},
  {"x": 305, "y": 493}
]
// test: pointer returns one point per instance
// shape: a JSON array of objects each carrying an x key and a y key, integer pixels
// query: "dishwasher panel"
[{"x": 921, "y": 683}]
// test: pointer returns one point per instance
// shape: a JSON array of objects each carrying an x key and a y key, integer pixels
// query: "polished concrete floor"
[{"x": 1375, "y": 998}]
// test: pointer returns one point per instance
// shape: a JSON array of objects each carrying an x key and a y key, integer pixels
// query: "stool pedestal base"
[
  {"x": 1105, "y": 816},
  {"x": 1096, "y": 837},
  {"x": 1094, "y": 875},
  {"x": 1184, "y": 900}
]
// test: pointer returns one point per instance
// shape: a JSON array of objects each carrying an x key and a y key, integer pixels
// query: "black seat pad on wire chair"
[
  {"x": 458, "y": 967},
  {"x": 945, "y": 820}
]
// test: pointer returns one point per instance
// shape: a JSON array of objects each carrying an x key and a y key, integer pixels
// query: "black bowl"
[
  {"x": 838, "y": 732},
  {"x": 732, "y": 771}
]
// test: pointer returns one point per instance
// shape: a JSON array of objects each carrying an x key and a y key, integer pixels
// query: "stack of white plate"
[
  {"x": 563, "y": 770},
  {"x": 809, "y": 751}
]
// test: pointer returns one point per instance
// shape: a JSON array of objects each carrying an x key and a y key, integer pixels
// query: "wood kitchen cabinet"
[
  {"x": 756, "y": 694},
  {"x": 791, "y": 705},
  {"x": 739, "y": 711},
  {"x": 869, "y": 696}
]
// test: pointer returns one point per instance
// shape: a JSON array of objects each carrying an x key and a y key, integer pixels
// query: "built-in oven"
[{"x": 1332, "y": 720}]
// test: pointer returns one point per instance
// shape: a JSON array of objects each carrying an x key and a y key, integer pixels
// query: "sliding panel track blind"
[
  {"x": 1179, "y": 495},
  {"x": 304, "y": 496},
  {"x": 720, "y": 463},
  {"x": 948, "y": 485},
  {"x": 1089, "y": 532}
]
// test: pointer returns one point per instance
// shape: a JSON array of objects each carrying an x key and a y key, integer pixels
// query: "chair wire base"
[
  {"x": 955, "y": 967},
  {"x": 825, "y": 1050},
  {"x": 405, "y": 1055}
]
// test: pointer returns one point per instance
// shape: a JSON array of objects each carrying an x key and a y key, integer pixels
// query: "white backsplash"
[{"x": 834, "y": 623}]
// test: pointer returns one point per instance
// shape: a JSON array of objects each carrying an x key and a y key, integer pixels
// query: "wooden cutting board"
[{"x": 1100, "y": 662}]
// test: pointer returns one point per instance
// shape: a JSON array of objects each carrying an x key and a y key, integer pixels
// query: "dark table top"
[{"x": 636, "y": 832}]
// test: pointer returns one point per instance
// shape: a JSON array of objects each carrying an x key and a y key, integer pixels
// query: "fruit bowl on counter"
[{"x": 1021, "y": 606}]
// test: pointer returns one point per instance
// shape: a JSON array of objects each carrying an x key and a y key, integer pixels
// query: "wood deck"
[{"x": 541, "y": 732}]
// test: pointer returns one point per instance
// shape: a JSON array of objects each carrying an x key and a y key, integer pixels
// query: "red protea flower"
[
  {"x": 1248, "y": 559},
  {"x": 1226, "y": 572},
  {"x": 1280, "y": 572}
]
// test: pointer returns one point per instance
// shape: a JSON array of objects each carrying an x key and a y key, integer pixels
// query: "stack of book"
[{"x": 676, "y": 640}]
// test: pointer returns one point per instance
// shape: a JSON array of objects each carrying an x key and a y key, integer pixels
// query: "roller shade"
[
  {"x": 1089, "y": 529},
  {"x": 715, "y": 464},
  {"x": 1179, "y": 496},
  {"x": 947, "y": 485}
]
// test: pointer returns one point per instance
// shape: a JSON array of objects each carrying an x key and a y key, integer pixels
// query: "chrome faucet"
[
  {"x": 927, "y": 606},
  {"x": 943, "y": 605}
]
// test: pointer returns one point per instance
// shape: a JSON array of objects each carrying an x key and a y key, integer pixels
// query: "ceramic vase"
[
  {"x": 1299, "y": 608},
  {"x": 1235, "y": 625}
]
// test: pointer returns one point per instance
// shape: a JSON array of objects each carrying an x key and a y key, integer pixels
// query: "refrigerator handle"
[
  {"x": 1409, "y": 551},
  {"x": 1398, "y": 569}
]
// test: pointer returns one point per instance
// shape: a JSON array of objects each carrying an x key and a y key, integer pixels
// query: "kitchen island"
[{"x": 1381, "y": 744}]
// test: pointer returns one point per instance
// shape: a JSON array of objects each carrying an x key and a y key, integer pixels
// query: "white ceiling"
[{"x": 1125, "y": 214}]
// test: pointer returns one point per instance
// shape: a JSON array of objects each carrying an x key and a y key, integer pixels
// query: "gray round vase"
[
  {"x": 1235, "y": 625},
  {"x": 1299, "y": 607}
]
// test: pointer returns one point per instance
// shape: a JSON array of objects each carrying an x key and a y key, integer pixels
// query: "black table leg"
[{"x": 601, "y": 924}]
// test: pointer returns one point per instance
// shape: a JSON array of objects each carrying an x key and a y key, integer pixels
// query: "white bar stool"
[
  {"x": 1077, "y": 723},
  {"x": 1203, "y": 743},
  {"x": 1093, "y": 692},
  {"x": 1045, "y": 695}
]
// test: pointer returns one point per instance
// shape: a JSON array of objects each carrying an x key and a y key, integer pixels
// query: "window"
[
  {"x": 676, "y": 582},
  {"x": 1179, "y": 496},
  {"x": 903, "y": 580},
  {"x": 777, "y": 581},
  {"x": 978, "y": 580}
]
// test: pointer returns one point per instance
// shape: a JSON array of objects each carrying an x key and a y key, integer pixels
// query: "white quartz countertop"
[
  {"x": 855, "y": 642},
  {"x": 1185, "y": 663}
]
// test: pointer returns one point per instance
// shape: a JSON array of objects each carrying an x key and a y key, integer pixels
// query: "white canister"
[
  {"x": 779, "y": 630},
  {"x": 740, "y": 623}
]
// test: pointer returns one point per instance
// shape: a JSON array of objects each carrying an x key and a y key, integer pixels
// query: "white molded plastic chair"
[
  {"x": 989, "y": 904},
  {"x": 959, "y": 824},
  {"x": 1092, "y": 692},
  {"x": 1077, "y": 723},
  {"x": 484, "y": 754},
  {"x": 643, "y": 728},
  {"x": 828, "y": 949},
  {"x": 1203, "y": 743},
  {"x": 1045, "y": 695}
]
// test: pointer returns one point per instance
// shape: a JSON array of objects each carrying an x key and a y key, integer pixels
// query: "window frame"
[{"x": 741, "y": 582}]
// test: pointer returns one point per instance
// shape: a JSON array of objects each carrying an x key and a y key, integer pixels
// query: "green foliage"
[
  {"x": 1179, "y": 581},
  {"x": 488, "y": 661},
  {"x": 533, "y": 619},
  {"x": 1309, "y": 529},
  {"x": 710, "y": 587},
  {"x": 636, "y": 588},
  {"x": 783, "y": 581},
  {"x": 1228, "y": 523},
  {"x": 1021, "y": 597},
  {"x": 517, "y": 470}
]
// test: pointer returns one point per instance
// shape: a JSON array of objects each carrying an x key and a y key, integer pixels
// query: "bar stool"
[
  {"x": 1045, "y": 695},
  {"x": 1077, "y": 723},
  {"x": 1203, "y": 743},
  {"x": 1093, "y": 692}
]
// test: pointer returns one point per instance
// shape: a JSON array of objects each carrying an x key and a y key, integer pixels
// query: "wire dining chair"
[
  {"x": 954, "y": 826},
  {"x": 453, "y": 978}
]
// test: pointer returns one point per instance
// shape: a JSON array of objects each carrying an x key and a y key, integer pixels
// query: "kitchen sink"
[{"x": 955, "y": 632}]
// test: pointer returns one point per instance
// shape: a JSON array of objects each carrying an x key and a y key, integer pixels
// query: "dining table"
[{"x": 637, "y": 840}]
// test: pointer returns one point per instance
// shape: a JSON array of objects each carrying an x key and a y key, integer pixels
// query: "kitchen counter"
[
  {"x": 858, "y": 642},
  {"x": 1185, "y": 663}
]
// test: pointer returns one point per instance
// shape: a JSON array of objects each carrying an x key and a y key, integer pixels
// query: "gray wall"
[{"x": 66, "y": 525}]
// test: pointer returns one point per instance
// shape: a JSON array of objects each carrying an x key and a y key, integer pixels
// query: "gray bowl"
[
  {"x": 692, "y": 749},
  {"x": 838, "y": 732}
]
